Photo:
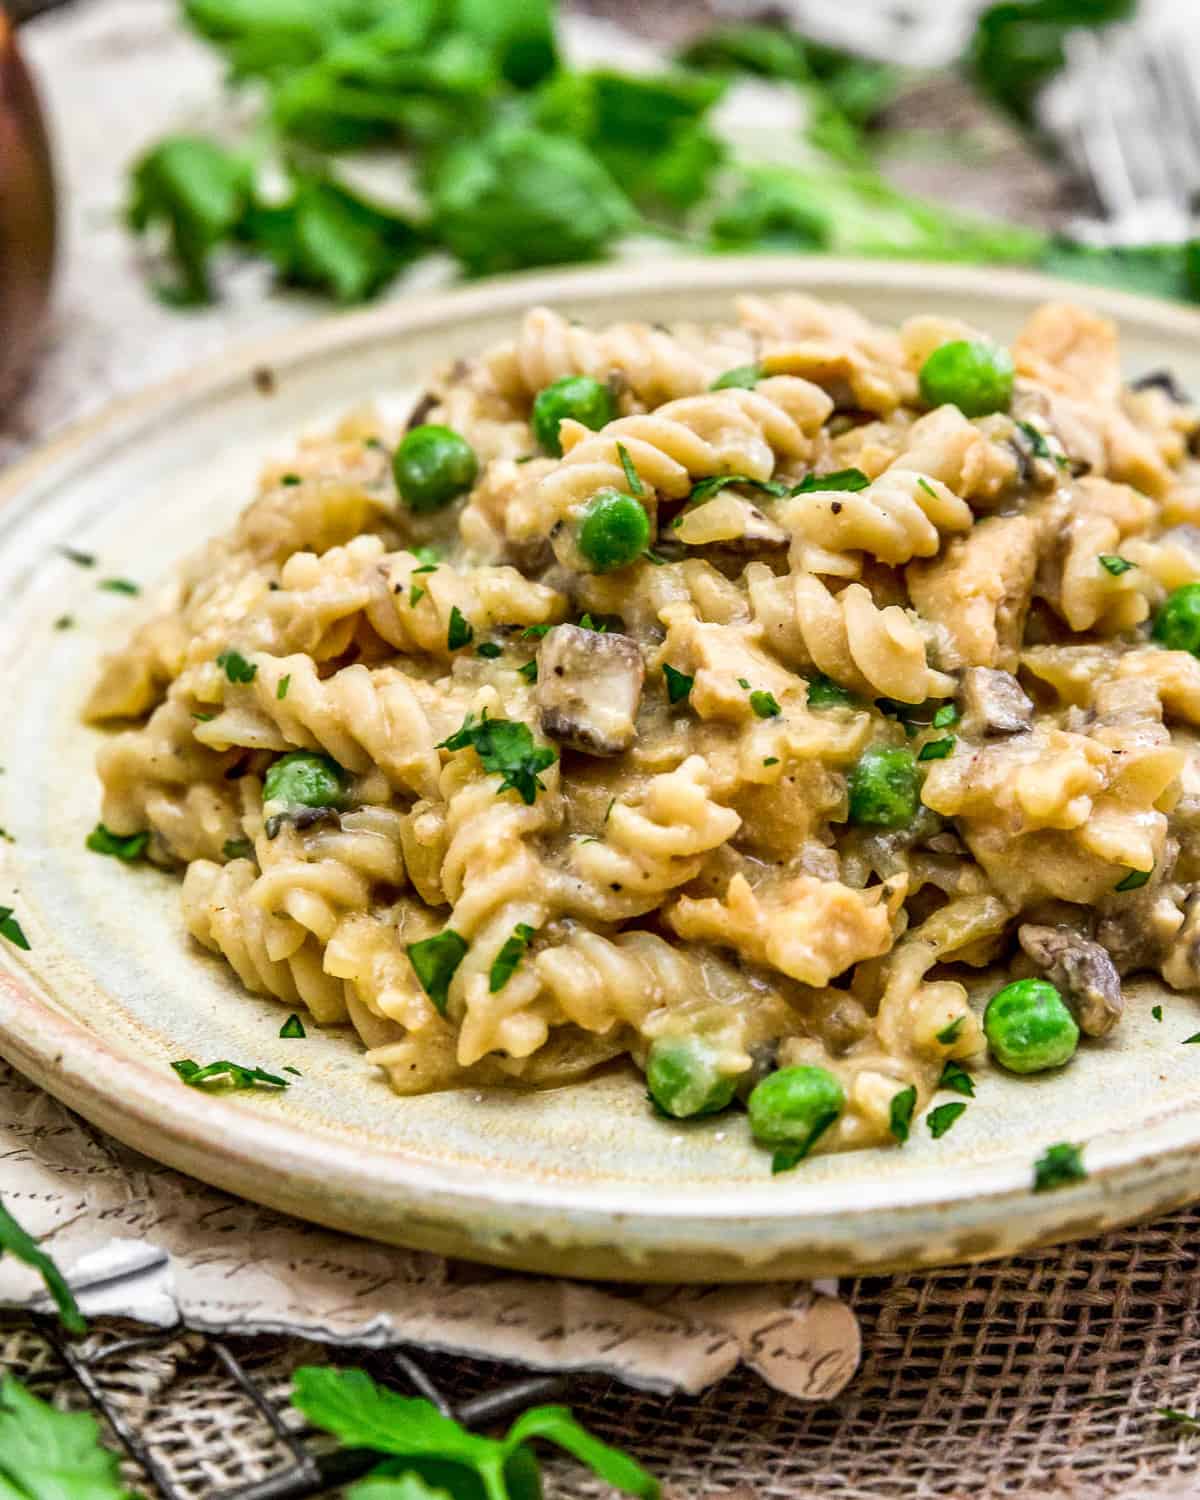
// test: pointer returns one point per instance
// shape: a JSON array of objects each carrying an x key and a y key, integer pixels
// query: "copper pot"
[{"x": 26, "y": 212}]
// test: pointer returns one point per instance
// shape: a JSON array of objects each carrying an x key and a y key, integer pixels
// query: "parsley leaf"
[
  {"x": 901, "y": 1112},
  {"x": 1057, "y": 1166},
  {"x": 507, "y": 746},
  {"x": 237, "y": 849},
  {"x": 1115, "y": 565},
  {"x": 428, "y": 557},
  {"x": 950, "y": 1032},
  {"x": 1156, "y": 1012},
  {"x": 415, "y": 595},
  {"x": 361, "y": 1414},
  {"x": 225, "y": 1074},
  {"x": 434, "y": 960},
  {"x": 535, "y": 632},
  {"x": 679, "y": 684},
  {"x": 784, "y": 1158},
  {"x": 460, "y": 631},
  {"x": 744, "y": 378},
  {"x": 943, "y": 1117},
  {"x": 10, "y": 929},
  {"x": 119, "y": 586},
  {"x": 1038, "y": 445},
  {"x": 47, "y": 1454},
  {"x": 129, "y": 848},
  {"x": 1134, "y": 880},
  {"x": 632, "y": 477},
  {"x": 80, "y": 559},
  {"x": 838, "y": 479},
  {"x": 707, "y": 488},
  {"x": 489, "y": 650},
  {"x": 505, "y": 964},
  {"x": 236, "y": 667},
  {"x": 945, "y": 716},
  {"x": 529, "y": 671},
  {"x": 292, "y": 1027},
  {"x": 285, "y": 682},
  {"x": 199, "y": 194},
  {"x": 937, "y": 749},
  {"x": 956, "y": 1078},
  {"x": 764, "y": 704},
  {"x": 823, "y": 692},
  {"x": 15, "y": 1241}
]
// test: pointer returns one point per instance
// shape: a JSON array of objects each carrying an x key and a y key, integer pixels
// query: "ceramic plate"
[{"x": 583, "y": 1180}]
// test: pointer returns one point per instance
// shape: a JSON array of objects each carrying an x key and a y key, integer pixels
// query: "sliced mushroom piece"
[
  {"x": 994, "y": 702},
  {"x": 589, "y": 685},
  {"x": 1082, "y": 970}
]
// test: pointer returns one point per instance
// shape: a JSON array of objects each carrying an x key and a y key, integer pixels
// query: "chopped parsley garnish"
[
  {"x": 285, "y": 682},
  {"x": 943, "y": 1117},
  {"x": 902, "y": 713},
  {"x": 1156, "y": 1012},
  {"x": 936, "y": 749},
  {"x": 632, "y": 478},
  {"x": 823, "y": 692},
  {"x": 236, "y": 667},
  {"x": 293, "y": 1027},
  {"x": 653, "y": 558},
  {"x": 225, "y": 1074},
  {"x": 80, "y": 559},
  {"x": 744, "y": 683},
  {"x": 924, "y": 484},
  {"x": 1037, "y": 440},
  {"x": 428, "y": 557},
  {"x": 460, "y": 632},
  {"x": 535, "y": 632},
  {"x": 504, "y": 966},
  {"x": 1181, "y": 1419},
  {"x": 415, "y": 595},
  {"x": 1189, "y": 1040},
  {"x": 128, "y": 848},
  {"x": 742, "y": 378},
  {"x": 237, "y": 849},
  {"x": 64, "y": 622},
  {"x": 291, "y": 479},
  {"x": 837, "y": 479},
  {"x": 956, "y": 1078},
  {"x": 507, "y": 746},
  {"x": 707, "y": 488},
  {"x": 771, "y": 760},
  {"x": 787, "y": 1157},
  {"x": 119, "y": 586},
  {"x": 528, "y": 671},
  {"x": 10, "y": 929},
  {"x": 1134, "y": 881},
  {"x": 434, "y": 962},
  {"x": 679, "y": 684},
  {"x": 949, "y": 1034},
  {"x": 202, "y": 718},
  {"x": 945, "y": 716},
  {"x": 764, "y": 704},
  {"x": 587, "y": 623},
  {"x": 489, "y": 650},
  {"x": 287, "y": 1068},
  {"x": 1115, "y": 565},
  {"x": 430, "y": 567},
  {"x": 1057, "y": 1166},
  {"x": 16, "y": 1241},
  {"x": 901, "y": 1112}
]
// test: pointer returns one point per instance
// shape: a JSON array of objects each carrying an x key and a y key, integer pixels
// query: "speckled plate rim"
[{"x": 576, "y": 1228}]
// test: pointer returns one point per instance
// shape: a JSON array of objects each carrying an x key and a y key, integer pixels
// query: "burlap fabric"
[
  {"x": 1035, "y": 1377},
  {"x": 1032, "y": 1377}
]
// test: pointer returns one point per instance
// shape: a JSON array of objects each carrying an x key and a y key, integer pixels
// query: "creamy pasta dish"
[{"x": 723, "y": 697}]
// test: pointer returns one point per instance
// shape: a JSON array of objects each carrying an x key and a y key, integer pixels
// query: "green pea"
[
  {"x": 615, "y": 531},
  {"x": 1177, "y": 623},
  {"x": 302, "y": 779},
  {"x": 683, "y": 1078},
  {"x": 977, "y": 377},
  {"x": 578, "y": 396},
  {"x": 885, "y": 787},
  {"x": 433, "y": 465},
  {"x": 1029, "y": 1028},
  {"x": 793, "y": 1106}
]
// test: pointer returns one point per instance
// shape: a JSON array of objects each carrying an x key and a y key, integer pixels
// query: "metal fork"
[{"x": 1126, "y": 112}]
